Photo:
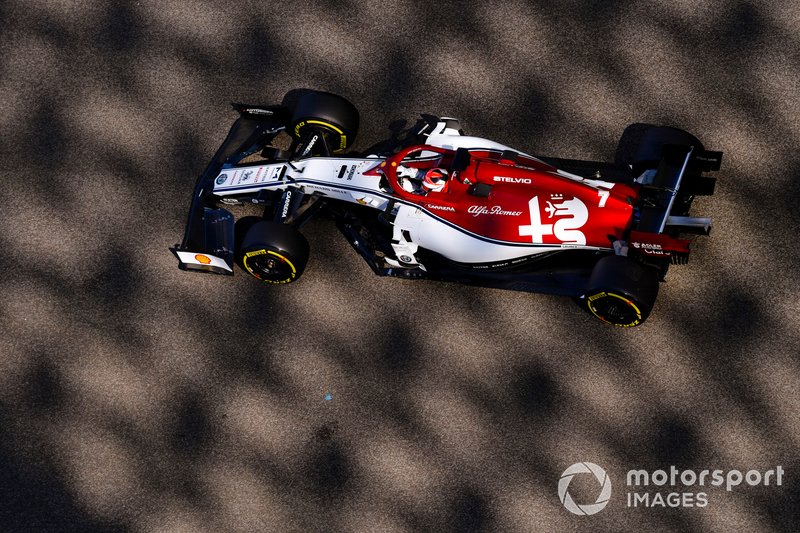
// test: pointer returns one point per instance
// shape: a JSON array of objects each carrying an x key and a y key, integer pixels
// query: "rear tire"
[
  {"x": 621, "y": 291},
  {"x": 335, "y": 117},
  {"x": 271, "y": 252}
]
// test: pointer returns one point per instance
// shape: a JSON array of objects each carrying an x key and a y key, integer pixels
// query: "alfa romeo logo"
[{"x": 590, "y": 508}]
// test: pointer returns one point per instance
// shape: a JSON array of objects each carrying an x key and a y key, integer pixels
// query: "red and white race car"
[{"x": 433, "y": 203}]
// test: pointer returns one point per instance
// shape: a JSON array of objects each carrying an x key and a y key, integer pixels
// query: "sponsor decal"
[
  {"x": 441, "y": 207},
  {"x": 342, "y": 135},
  {"x": 508, "y": 179},
  {"x": 245, "y": 176},
  {"x": 222, "y": 178},
  {"x": 478, "y": 210},
  {"x": 349, "y": 173},
  {"x": 286, "y": 204},
  {"x": 310, "y": 144},
  {"x": 646, "y": 245},
  {"x": 256, "y": 111},
  {"x": 329, "y": 190},
  {"x": 570, "y": 215},
  {"x": 652, "y": 249},
  {"x": 491, "y": 266},
  {"x": 202, "y": 259}
]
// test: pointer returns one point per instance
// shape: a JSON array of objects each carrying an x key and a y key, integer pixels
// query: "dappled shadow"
[
  {"x": 470, "y": 513},
  {"x": 33, "y": 493},
  {"x": 536, "y": 393},
  {"x": 328, "y": 470},
  {"x": 136, "y": 396},
  {"x": 674, "y": 443}
]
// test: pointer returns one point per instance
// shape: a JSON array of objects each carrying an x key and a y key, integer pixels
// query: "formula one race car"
[{"x": 433, "y": 203}]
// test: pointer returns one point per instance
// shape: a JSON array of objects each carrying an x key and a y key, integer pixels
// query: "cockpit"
[
  {"x": 422, "y": 181},
  {"x": 434, "y": 173}
]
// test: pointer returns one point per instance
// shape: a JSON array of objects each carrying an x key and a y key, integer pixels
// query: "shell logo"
[{"x": 202, "y": 259}]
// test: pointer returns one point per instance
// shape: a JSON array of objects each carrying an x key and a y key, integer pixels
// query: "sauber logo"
[
  {"x": 507, "y": 179},
  {"x": 570, "y": 215}
]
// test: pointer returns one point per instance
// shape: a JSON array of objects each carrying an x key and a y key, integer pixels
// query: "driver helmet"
[{"x": 434, "y": 179}]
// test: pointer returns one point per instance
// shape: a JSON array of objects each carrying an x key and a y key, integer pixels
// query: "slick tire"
[
  {"x": 270, "y": 252},
  {"x": 335, "y": 117},
  {"x": 621, "y": 291}
]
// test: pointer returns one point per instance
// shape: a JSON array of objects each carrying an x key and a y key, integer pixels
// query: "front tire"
[
  {"x": 621, "y": 291},
  {"x": 331, "y": 115},
  {"x": 271, "y": 252}
]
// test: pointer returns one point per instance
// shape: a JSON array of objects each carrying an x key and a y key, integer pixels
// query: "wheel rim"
[
  {"x": 615, "y": 309},
  {"x": 269, "y": 266}
]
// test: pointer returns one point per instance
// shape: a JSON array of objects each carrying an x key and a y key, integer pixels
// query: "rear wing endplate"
[{"x": 662, "y": 188}]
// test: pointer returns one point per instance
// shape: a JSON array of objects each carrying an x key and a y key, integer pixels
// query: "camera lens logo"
[{"x": 590, "y": 508}]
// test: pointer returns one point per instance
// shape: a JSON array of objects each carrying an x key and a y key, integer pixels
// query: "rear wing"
[
  {"x": 679, "y": 175},
  {"x": 665, "y": 197},
  {"x": 208, "y": 243}
]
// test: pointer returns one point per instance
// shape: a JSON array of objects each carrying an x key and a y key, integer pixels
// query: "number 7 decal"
[{"x": 603, "y": 197}]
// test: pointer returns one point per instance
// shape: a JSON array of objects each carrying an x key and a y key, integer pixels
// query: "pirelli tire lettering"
[
  {"x": 598, "y": 304},
  {"x": 621, "y": 291},
  {"x": 270, "y": 255},
  {"x": 333, "y": 116},
  {"x": 272, "y": 252},
  {"x": 341, "y": 135}
]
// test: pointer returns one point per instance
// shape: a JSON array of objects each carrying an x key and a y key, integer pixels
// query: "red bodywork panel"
[{"x": 527, "y": 203}]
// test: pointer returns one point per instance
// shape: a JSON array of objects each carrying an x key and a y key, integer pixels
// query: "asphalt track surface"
[{"x": 134, "y": 396}]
